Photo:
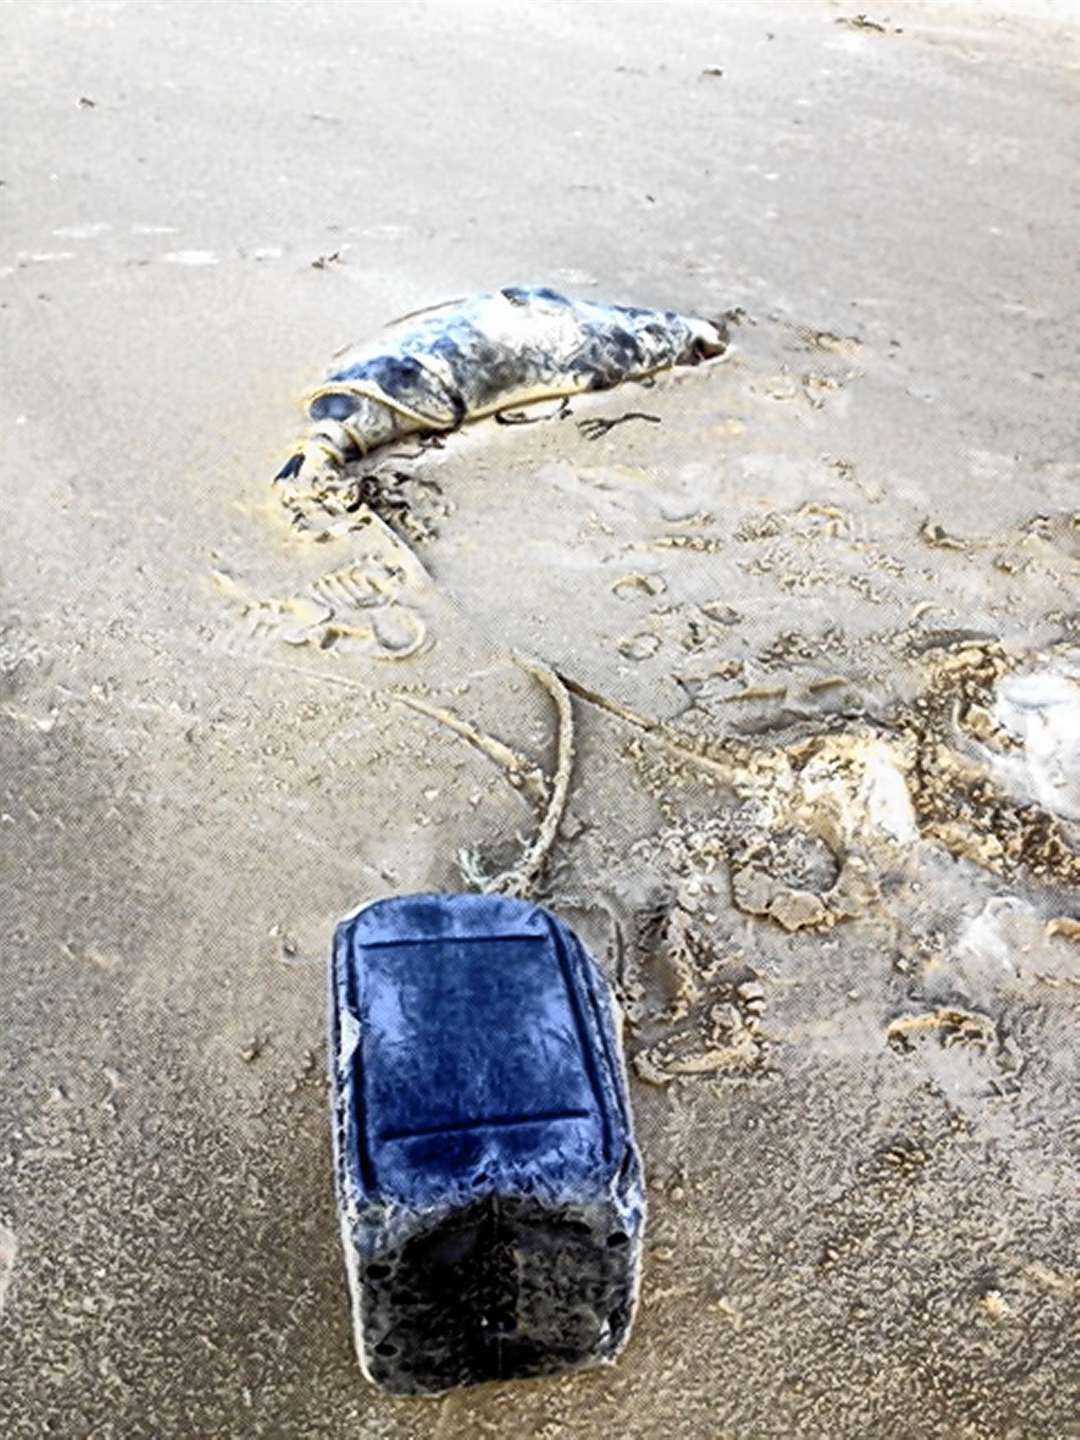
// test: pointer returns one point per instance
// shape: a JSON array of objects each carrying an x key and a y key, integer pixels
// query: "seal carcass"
[{"x": 476, "y": 357}]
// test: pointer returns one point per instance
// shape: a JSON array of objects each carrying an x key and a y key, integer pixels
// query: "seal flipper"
[{"x": 332, "y": 406}]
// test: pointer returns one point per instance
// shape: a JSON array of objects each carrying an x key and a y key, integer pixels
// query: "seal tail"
[{"x": 291, "y": 467}]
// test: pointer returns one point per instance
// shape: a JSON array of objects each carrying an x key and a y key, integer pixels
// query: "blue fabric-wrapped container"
[{"x": 489, "y": 1189}]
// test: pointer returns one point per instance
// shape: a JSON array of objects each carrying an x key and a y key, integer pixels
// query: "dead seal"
[{"x": 476, "y": 357}]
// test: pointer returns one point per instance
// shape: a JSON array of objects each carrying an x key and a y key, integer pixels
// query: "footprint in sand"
[
  {"x": 695, "y": 1010},
  {"x": 359, "y": 608}
]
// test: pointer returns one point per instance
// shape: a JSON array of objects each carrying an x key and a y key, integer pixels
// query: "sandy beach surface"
[{"x": 815, "y": 618}]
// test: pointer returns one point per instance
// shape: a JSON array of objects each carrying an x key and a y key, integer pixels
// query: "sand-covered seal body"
[{"x": 478, "y": 356}]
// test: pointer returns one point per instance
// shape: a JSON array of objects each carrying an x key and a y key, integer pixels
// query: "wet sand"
[{"x": 817, "y": 623}]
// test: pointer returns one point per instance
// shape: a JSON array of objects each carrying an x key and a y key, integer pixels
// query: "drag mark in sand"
[
  {"x": 521, "y": 772},
  {"x": 82, "y": 232},
  {"x": 9, "y": 1248},
  {"x": 520, "y": 879},
  {"x": 190, "y": 257}
]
